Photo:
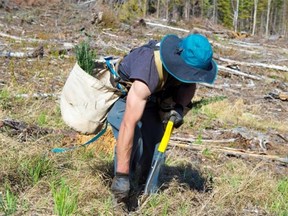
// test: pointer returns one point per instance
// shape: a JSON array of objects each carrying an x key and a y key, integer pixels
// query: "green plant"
[
  {"x": 65, "y": 201},
  {"x": 42, "y": 119},
  {"x": 85, "y": 56},
  {"x": 5, "y": 101},
  {"x": 280, "y": 198},
  {"x": 198, "y": 140},
  {"x": 182, "y": 209},
  {"x": 106, "y": 207},
  {"x": 32, "y": 170},
  {"x": 8, "y": 204},
  {"x": 40, "y": 168},
  {"x": 206, "y": 152}
]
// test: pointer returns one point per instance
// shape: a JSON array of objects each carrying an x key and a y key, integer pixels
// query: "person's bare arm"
[
  {"x": 185, "y": 94},
  {"x": 135, "y": 104}
]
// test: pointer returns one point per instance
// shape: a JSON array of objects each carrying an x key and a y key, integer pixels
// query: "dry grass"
[
  {"x": 241, "y": 114},
  {"x": 240, "y": 186}
]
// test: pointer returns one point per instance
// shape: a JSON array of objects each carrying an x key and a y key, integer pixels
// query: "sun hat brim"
[{"x": 177, "y": 67}]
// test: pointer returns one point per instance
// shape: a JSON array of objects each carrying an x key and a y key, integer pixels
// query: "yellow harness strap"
[{"x": 161, "y": 73}]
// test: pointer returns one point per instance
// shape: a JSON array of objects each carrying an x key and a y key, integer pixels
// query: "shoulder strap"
[{"x": 162, "y": 74}]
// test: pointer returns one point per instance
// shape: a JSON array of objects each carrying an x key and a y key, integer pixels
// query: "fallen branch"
[
  {"x": 231, "y": 152},
  {"x": 109, "y": 34}
]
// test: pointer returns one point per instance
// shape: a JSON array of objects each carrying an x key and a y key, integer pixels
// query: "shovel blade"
[{"x": 152, "y": 180}]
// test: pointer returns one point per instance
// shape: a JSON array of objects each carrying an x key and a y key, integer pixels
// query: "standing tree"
[
  {"x": 268, "y": 18},
  {"x": 284, "y": 18},
  {"x": 145, "y": 6},
  {"x": 225, "y": 13},
  {"x": 158, "y": 9},
  {"x": 254, "y": 17},
  {"x": 167, "y": 3},
  {"x": 235, "y": 13},
  {"x": 214, "y": 18},
  {"x": 187, "y": 9}
]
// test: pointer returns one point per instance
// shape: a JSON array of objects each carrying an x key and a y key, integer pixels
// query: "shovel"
[{"x": 158, "y": 159}]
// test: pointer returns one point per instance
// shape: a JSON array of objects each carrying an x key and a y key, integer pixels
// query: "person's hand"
[
  {"x": 177, "y": 112},
  {"x": 120, "y": 187}
]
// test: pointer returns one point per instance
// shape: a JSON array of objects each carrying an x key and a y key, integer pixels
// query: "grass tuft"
[
  {"x": 8, "y": 203},
  {"x": 280, "y": 198},
  {"x": 65, "y": 201}
]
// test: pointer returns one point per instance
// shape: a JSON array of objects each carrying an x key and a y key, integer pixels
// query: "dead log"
[
  {"x": 231, "y": 152},
  {"x": 24, "y": 131},
  {"x": 281, "y": 96},
  {"x": 109, "y": 34},
  {"x": 251, "y": 52},
  {"x": 239, "y": 73},
  {"x": 38, "y": 95},
  {"x": 254, "y": 64},
  {"x": 165, "y": 26},
  {"x": 190, "y": 140},
  {"x": 39, "y": 52},
  {"x": 219, "y": 87},
  {"x": 20, "y": 39},
  {"x": 87, "y": 2}
]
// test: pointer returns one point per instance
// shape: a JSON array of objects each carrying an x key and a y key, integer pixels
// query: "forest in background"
[
  {"x": 254, "y": 17},
  {"x": 260, "y": 17}
]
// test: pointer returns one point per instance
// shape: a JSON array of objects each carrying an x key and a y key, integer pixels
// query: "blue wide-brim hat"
[{"x": 189, "y": 60}]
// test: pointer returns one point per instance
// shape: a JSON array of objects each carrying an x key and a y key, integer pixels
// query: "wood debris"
[
  {"x": 232, "y": 152},
  {"x": 39, "y": 52}
]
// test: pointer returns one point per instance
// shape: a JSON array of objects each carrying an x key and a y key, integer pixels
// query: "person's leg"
[
  {"x": 152, "y": 132},
  {"x": 148, "y": 134}
]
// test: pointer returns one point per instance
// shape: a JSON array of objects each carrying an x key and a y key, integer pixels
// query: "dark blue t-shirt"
[{"x": 139, "y": 64}]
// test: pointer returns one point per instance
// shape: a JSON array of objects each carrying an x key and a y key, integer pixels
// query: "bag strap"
[
  {"x": 113, "y": 68},
  {"x": 162, "y": 75},
  {"x": 61, "y": 150}
]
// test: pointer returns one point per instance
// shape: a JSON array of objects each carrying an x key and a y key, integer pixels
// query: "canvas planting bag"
[{"x": 85, "y": 100}]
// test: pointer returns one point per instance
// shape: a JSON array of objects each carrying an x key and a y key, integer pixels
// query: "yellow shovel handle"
[{"x": 166, "y": 137}]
